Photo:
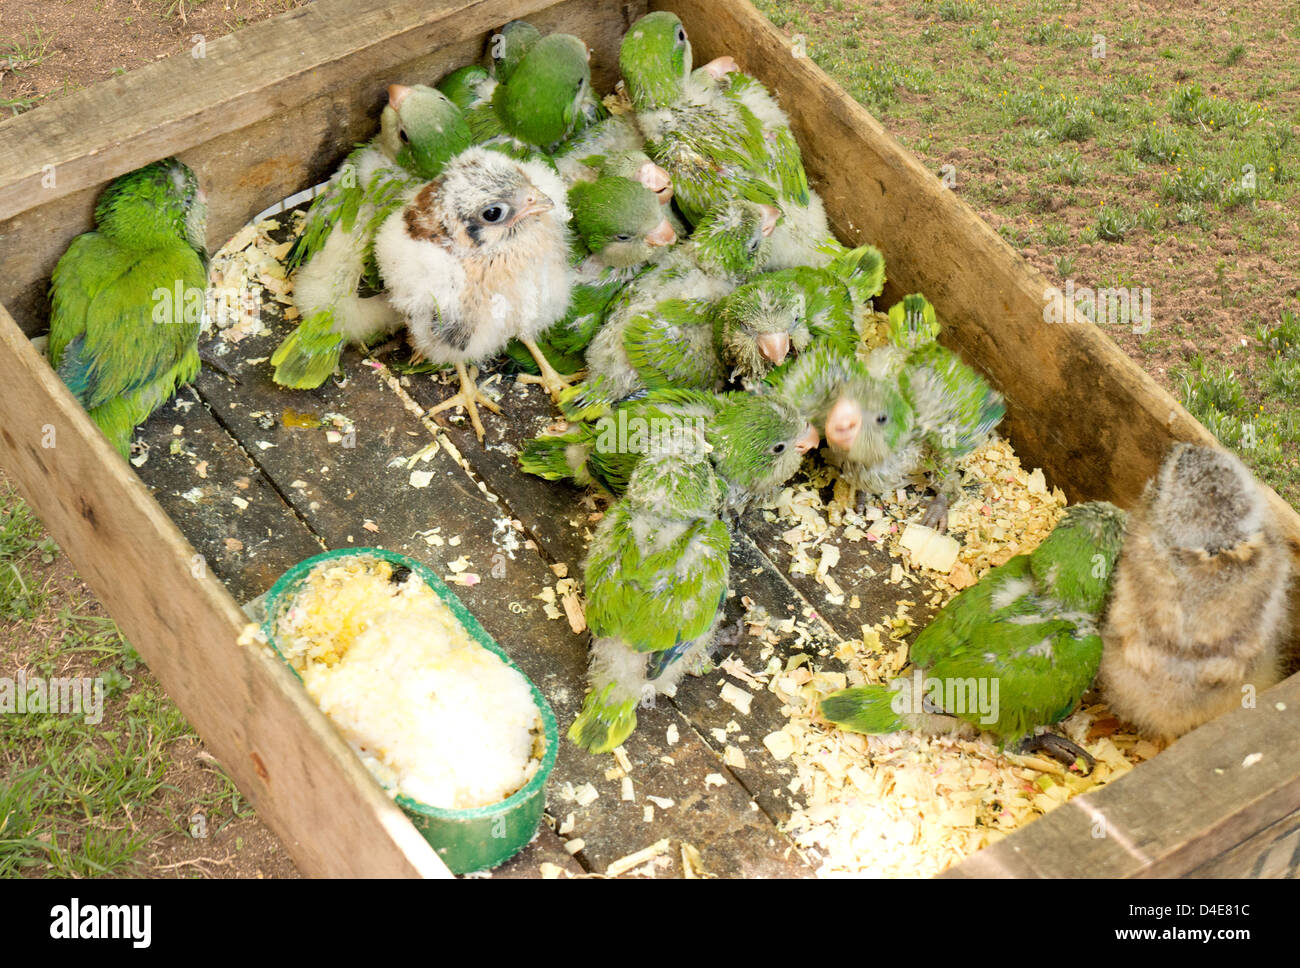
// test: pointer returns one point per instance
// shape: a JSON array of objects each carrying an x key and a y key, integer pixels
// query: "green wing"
[
  {"x": 119, "y": 337},
  {"x": 673, "y": 346},
  {"x": 336, "y": 207}
]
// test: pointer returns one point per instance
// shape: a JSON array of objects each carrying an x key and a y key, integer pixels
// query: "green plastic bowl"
[{"x": 466, "y": 840}]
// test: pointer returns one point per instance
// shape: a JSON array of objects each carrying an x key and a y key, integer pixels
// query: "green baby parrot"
[
  {"x": 760, "y": 324},
  {"x": 658, "y": 331},
  {"x": 1011, "y": 654},
  {"x": 127, "y": 299},
  {"x": 333, "y": 259},
  {"x": 721, "y": 136},
  {"x": 540, "y": 105},
  {"x": 756, "y": 442},
  {"x": 507, "y": 47},
  {"x": 868, "y": 424},
  {"x": 656, "y": 581},
  {"x": 955, "y": 407}
]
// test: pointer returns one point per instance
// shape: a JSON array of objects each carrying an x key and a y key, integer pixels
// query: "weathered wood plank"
[
  {"x": 340, "y": 488},
  {"x": 265, "y": 112},
  {"x": 1272, "y": 854},
  {"x": 1204, "y": 795},
  {"x": 230, "y": 513},
  {"x": 280, "y": 750}
]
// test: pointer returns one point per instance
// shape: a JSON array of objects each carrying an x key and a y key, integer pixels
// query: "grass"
[
  {"x": 78, "y": 798},
  {"x": 1103, "y": 151}
]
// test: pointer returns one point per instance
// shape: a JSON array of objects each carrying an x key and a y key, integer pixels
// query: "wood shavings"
[
  {"x": 907, "y": 804},
  {"x": 575, "y": 845},
  {"x": 549, "y": 871},
  {"x": 626, "y": 791},
  {"x": 663, "y": 803},
  {"x": 671, "y": 734},
  {"x": 566, "y": 826},
  {"x": 628, "y": 862},
  {"x": 421, "y": 479},
  {"x": 586, "y": 795},
  {"x": 733, "y": 695},
  {"x": 734, "y": 757},
  {"x": 692, "y": 866},
  {"x": 715, "y": 780},
  {"x": 620, "y": 755}
]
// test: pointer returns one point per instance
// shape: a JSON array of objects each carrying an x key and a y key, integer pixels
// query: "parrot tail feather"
[
  {"x": 305, "y": 362},
  {"x": 864, "y": 709},
  {"x": 558, "y": 457},
  {"x": 603, "y": 723}
]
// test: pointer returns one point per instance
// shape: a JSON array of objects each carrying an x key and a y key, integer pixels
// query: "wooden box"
[{"x": 270, "y": 110}]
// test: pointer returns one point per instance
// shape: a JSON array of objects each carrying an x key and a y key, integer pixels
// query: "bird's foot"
[
  {"x": 936, "y": 515},
  {"x": 550, "y": 379},
  {"x": 468, "y": 399},
  {"x": 1058, "y": 748}
]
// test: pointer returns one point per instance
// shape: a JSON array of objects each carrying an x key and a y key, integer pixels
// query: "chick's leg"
[
  {"x": 551, "y": 379},
  {"x": 467, "y": 399}
]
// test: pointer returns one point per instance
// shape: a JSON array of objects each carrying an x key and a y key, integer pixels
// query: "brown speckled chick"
[{"x": 1199, "y": 605}]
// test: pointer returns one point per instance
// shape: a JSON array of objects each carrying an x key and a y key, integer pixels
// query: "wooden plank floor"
[{"x": 255, "y": 490}]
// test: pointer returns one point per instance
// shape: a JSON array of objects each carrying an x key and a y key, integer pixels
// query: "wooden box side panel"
[
  {"x": 265, "y": 112},
  {"x": 278, "y": 747}
]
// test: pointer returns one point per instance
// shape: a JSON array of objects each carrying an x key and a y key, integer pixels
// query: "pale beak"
[
  {"x": 775, "y": 347},
  {"x": 843, "y": 423},
  {"x": 534, "y": 204},
  {"x": 657, "y": 180},
  {"x": 720, "y": 67},
  {"x": 396, "y": 95},
  {"x": 662, "y": 235},
  {"x": 808, "y": 441},
  {"x": 771, "y": 215}
]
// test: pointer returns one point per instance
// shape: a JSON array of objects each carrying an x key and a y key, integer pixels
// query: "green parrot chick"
[
  {"x": 1011, "y": 654},
  {"x": 758, "y": 325},
  {"x": 541, "y": 103},
  {"x": 127, "y": 299},
  {"x": 620, "y": 221}
]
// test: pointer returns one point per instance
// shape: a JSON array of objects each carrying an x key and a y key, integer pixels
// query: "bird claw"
[
  {"x": 1060, "y": 749},
  {"x": 549, "y": 378},
  {"x": 936, "y": 515},
  {"x": 467, "y": 399}
]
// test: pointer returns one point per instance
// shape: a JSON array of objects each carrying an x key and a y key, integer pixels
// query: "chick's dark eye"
[
  {"x": 681, "y": 35},
  {"x": 494, "y": 214},
  {"x": 401, "y": 133},
  {"x": 624, "y": 237},
  {"x": 778, "y": 448},
  {"x": 881, "y": 418}
]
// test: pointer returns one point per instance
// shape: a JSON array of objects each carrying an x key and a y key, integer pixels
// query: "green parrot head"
[
  {"x": 735, "y": 239},
  {"x": 638, "y": 166},
  {"x": 912, "y": 322},
  {"x": 153, "y": 205},
  {"x": 867, "y": 418},
  {"x": 760, "y": 324},
  {"x": 462, "y": 86},
  {"x": 759, "y": 441},
  {"x": 620, "y": 221},
  {"x": 541, "y": 104},
  {"x": 508, "y": 46},
  {"x": 655, "y": 60},
  {"x": 421, "y": 129},
  {"x": 1075, "y": 562}
]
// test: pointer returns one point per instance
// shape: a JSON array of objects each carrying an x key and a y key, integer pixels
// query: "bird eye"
[
  {"x": 778, "y": 448},
  {"x": 401, "y": 133},
  {"x": 881, "y": 418},
  {"x": 494, "y": 214},
  {"x": 624, "y": 237},
  {"x": 752, "y": 246},
  {"x": 681, "y": 35}
]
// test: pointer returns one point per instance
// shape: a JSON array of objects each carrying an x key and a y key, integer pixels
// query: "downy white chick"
[
  {"x": 476, "y": 258},
  {"x": 1199, "y": 604}
]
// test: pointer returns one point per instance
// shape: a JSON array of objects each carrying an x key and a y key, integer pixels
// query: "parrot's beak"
[
  {"x": 535, "y": 204},
  {"x": 720, "y": 67},
  {"x": 843, "y": 423},
  {"x": 771, "y": 215},
  {"x": 775, "y": 347},
  {"x": 663, "y": 235},
  {"x": 657, "y": 180},
  {"x": 396, "y": 95},
  {"x": 808, "y": 441}
]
